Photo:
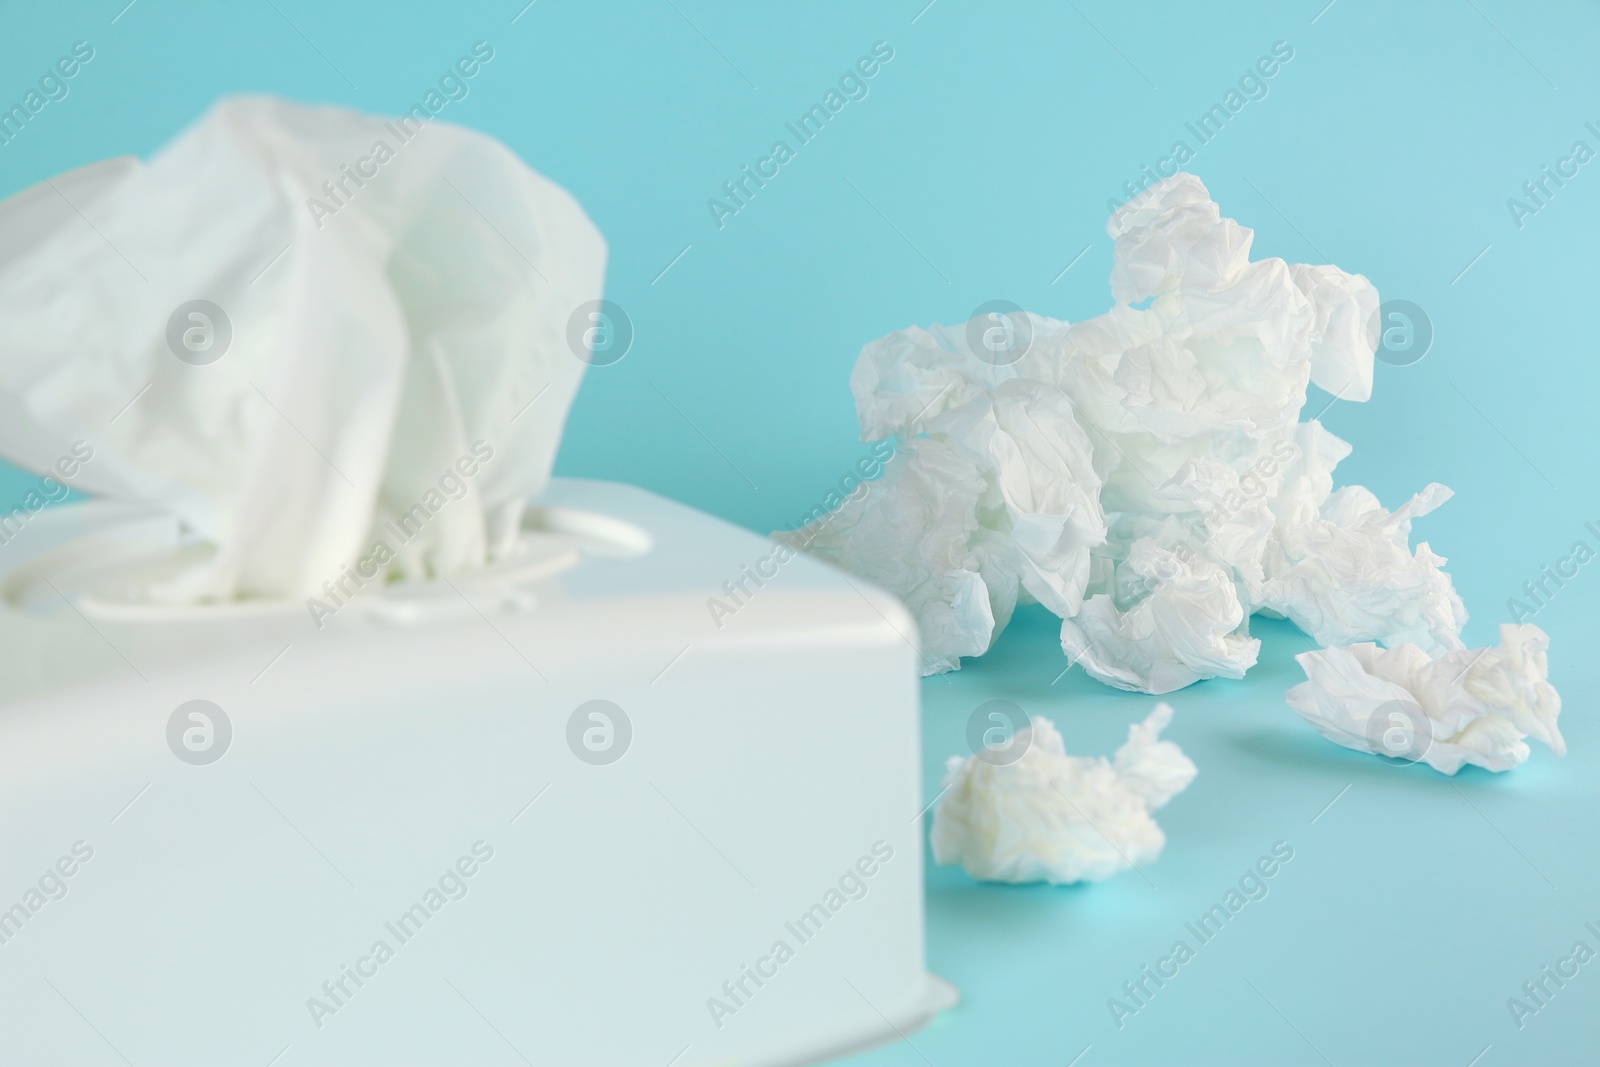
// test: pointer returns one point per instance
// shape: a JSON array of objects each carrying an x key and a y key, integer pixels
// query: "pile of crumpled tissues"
[
  {"x": 1143, "y": 474},
  {"x": 1046, "y": 816}
]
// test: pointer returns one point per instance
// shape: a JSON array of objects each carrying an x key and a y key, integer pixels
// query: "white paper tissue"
[
  {"x": 1051, "y": 817},
  {"x": 398, "y": 297},
  {"x": 1467, "y": 706},
  {"x": 1142, "y": 474},
  {"x": 1185, "y": 624}
]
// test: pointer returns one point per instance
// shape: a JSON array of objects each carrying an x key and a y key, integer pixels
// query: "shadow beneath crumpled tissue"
[
  {"x": 1312, "y": 750},
  {"x": 1304, "y": 748},
  {"x": 1005, "y": 913}
]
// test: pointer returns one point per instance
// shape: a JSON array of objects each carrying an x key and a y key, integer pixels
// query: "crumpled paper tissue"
[
  {"x": 387, "y": 308},
  {"x": 1469, "y": 706},
  {"x": 1143, "y": 474},
  {"x": 1051, "y": 817}
]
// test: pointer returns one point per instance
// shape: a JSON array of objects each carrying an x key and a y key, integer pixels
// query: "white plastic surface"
[{"x": 368, "y": 757}]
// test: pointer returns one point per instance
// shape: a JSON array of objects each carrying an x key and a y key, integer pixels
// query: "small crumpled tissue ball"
[
  {"x": 1472, "y": 706},
  {"x": 1051, "y": 817}
]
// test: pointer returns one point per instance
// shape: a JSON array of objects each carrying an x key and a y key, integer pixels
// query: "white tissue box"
[{"x": 402, "y": 777}]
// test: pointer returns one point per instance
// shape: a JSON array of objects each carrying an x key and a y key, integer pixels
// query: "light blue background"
[{"x": 978, "y": 167}]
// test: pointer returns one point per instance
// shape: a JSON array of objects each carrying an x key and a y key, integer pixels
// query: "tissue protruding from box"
[{"x": 331, "y": 343}]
